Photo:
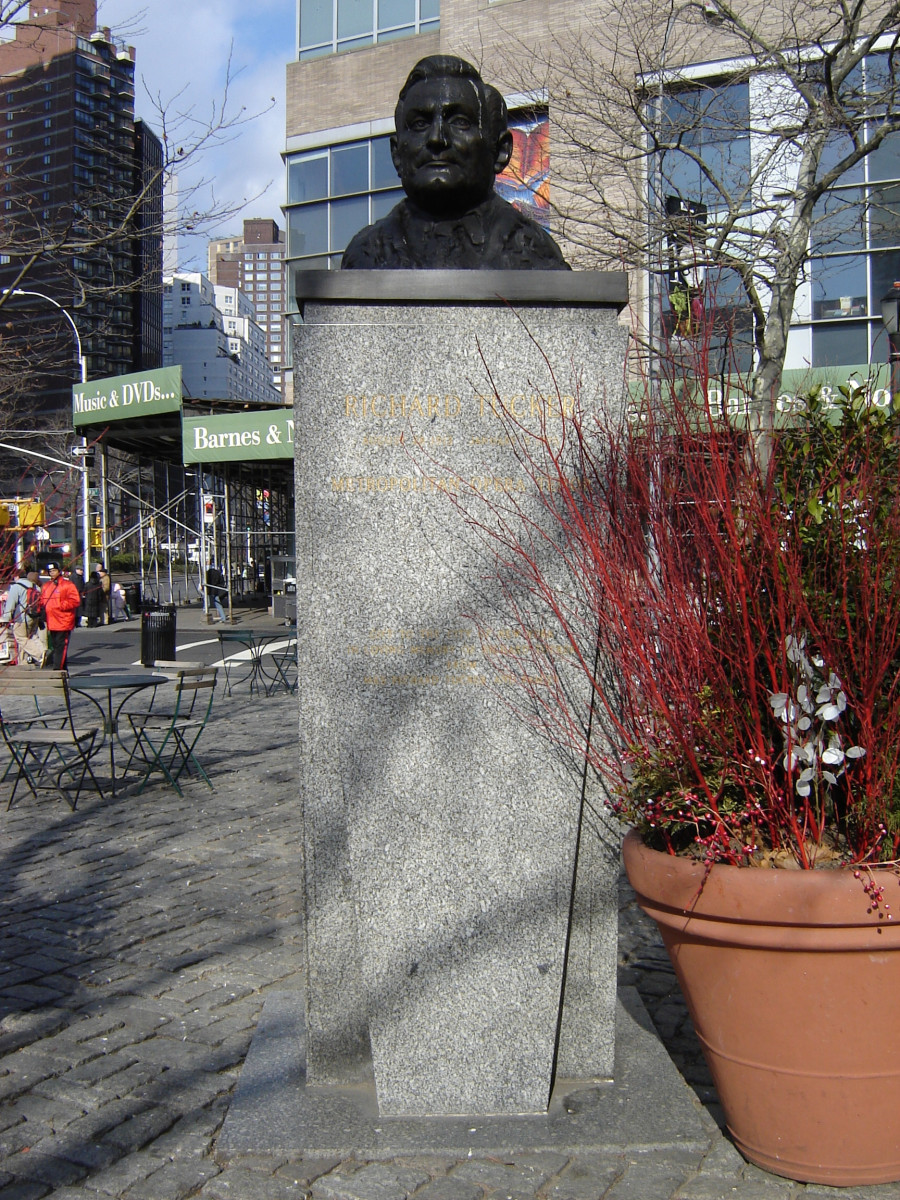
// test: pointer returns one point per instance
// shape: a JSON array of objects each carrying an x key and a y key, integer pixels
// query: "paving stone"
[
  {"x": 723, "y": 1159},
  {"x": 38, "y": 1110},
  {"x": 376, "y": 1181},
  {"x": 306, "y": 1171},
  {"x": 239, "y": 1183},
  {"x": 655, "y": 1176},
  {"x": 91, "y": 1154},
  {"x": 24, "y": 1190},
  {"x": 519, "y": 1177},
  {"x": 115, "y": 1180},
  {"x": 137, "y": 1131},
  {"x": 173, "y": 1181},
  {"x": 44, "y": 1168},
  {"x": 455, "y": 1189},
  {"x": 586, "y": 1178}
]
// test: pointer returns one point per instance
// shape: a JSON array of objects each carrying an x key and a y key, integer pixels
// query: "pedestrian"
[
  {"x": 118, "y": 605},
  {"x": 93, "y": 595},
  {"x": 21, "y": 598},
  {"x": 60, "y": 599},
  {"x": 215, "y": 590},
  {"x": 77, "y": 577},
  {"x": 106, "y": 616}
]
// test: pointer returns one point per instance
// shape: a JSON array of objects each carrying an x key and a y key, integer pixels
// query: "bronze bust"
[{"x": 452, "y": 139}]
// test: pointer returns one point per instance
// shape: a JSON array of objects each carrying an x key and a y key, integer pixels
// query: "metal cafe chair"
[
  {"x": 48, "y": 752},
  {"x": 166, "y": 736},
  {"x": 172, "y": 667},
  {"x": 284, "y": 669},
  {"x": 239, "y": 667}
]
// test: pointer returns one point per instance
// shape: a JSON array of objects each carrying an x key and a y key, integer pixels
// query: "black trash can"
[
  {"x": 133, "y": 597},
  {"x": 157, "y": 634}
]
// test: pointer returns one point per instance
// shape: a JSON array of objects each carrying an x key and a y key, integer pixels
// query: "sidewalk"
[{"x": 139, "y": 940}]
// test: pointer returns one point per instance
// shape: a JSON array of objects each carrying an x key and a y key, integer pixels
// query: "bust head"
[{"x": 452, "y": 136}]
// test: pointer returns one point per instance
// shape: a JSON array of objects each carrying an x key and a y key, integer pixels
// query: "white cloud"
[{"x": 183, "y": 49}]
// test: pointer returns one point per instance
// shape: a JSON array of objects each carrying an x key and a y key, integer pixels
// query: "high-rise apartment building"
[
  {"x": 210, "y": 331},
  {"x": 73, "y": 161},
  {"x": 254, "y": 263}
]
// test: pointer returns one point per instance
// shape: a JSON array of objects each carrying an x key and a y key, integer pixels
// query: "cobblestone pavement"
[{"x": 139, "y": 939}]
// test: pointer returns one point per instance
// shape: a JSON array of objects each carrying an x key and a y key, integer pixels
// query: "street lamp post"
[{"x": 82, "y": 371}]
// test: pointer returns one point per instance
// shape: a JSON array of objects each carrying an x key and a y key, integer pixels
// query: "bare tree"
[{"x": 702, "y": 142}]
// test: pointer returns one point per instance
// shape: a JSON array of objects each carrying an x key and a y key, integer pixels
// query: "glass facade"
[
  {"x": 854, "y": 251},
  {"x": 330, "y": 26},
  {"x": 332, "y": 193}
]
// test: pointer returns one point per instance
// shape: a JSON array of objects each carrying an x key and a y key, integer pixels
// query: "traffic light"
[{"x": 31, "y": 513}]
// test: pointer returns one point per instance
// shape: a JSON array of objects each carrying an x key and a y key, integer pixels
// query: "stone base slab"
[{"x": 646, "y": 1106}]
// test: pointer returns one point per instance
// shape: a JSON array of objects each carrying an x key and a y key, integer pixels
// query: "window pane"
[
  {"x": 724, "y": 288},
  {"x": 394, "y": 35},
  {"x": 354, "y": 18},
  {"x": 706, "y": 115},
  {"x": 881, "y": 79},
  {"x": 315, "y": 22},
  {"x": 429, "y": 10},
  {"x": 355, "y": 43},
  {"x": 308, "y": 230},
  {"x": 396, "y": 12},
  {"x": 838, "y": 146},
  {"x": 881, "y": 346},
  {"x": 840, "y": 345},
  {"x": 384, "y": 202},
  {"x": 680, "y": 176},
  {"x": 350, "y": 169},
  {"x": 884, "y": 163},
  {"x": 838, "y": 222},
  {"x": 728, "y": 164},
  {"x": 383, "y": 173},
  {"x": 885, "y": 273},
  {"x": 839, "y": 287},
  {"x": 347, "y": 218},
  {"x": 884, "y": 215},
  {"x": 307, "y": 179},
  {"x": 725, "y": 113}
]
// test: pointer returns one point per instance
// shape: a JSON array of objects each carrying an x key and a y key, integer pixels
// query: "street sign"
[{"x": 82, "y": 451}]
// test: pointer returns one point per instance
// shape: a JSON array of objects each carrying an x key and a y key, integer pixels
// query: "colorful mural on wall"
[{"x": 526, "y": 181}]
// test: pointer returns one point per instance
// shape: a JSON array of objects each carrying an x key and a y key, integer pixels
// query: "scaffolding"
[{"x": 180, "y": 521}]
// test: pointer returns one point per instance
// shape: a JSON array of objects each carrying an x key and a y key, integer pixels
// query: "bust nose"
[{"x": 437, "y": 135}]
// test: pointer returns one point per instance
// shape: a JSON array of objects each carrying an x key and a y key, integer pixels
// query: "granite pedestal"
[{"x": 444, "y": 931}]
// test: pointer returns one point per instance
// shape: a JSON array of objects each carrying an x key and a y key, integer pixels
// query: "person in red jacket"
[{"x": 60, "y": 599}]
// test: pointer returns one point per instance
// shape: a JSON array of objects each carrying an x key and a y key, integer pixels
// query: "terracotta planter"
[{"x": 793, "y": 989}]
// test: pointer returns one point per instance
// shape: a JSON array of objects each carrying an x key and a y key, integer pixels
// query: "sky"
[{"x": 183, "y": 49}]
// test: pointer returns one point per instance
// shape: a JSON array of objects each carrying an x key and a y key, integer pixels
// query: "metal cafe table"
[
  {"x": 243, "y": 654},
  {"x": 112, "y": 682}
]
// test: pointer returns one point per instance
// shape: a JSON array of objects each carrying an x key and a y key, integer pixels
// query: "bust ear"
[
  {"x": 504, "y": 151},
  {"x": 395, "y": 153}
]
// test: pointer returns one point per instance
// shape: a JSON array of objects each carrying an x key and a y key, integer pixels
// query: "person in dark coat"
[
  {"x": 77, "y": 578},
  {"x": 92, "y": 599}
]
